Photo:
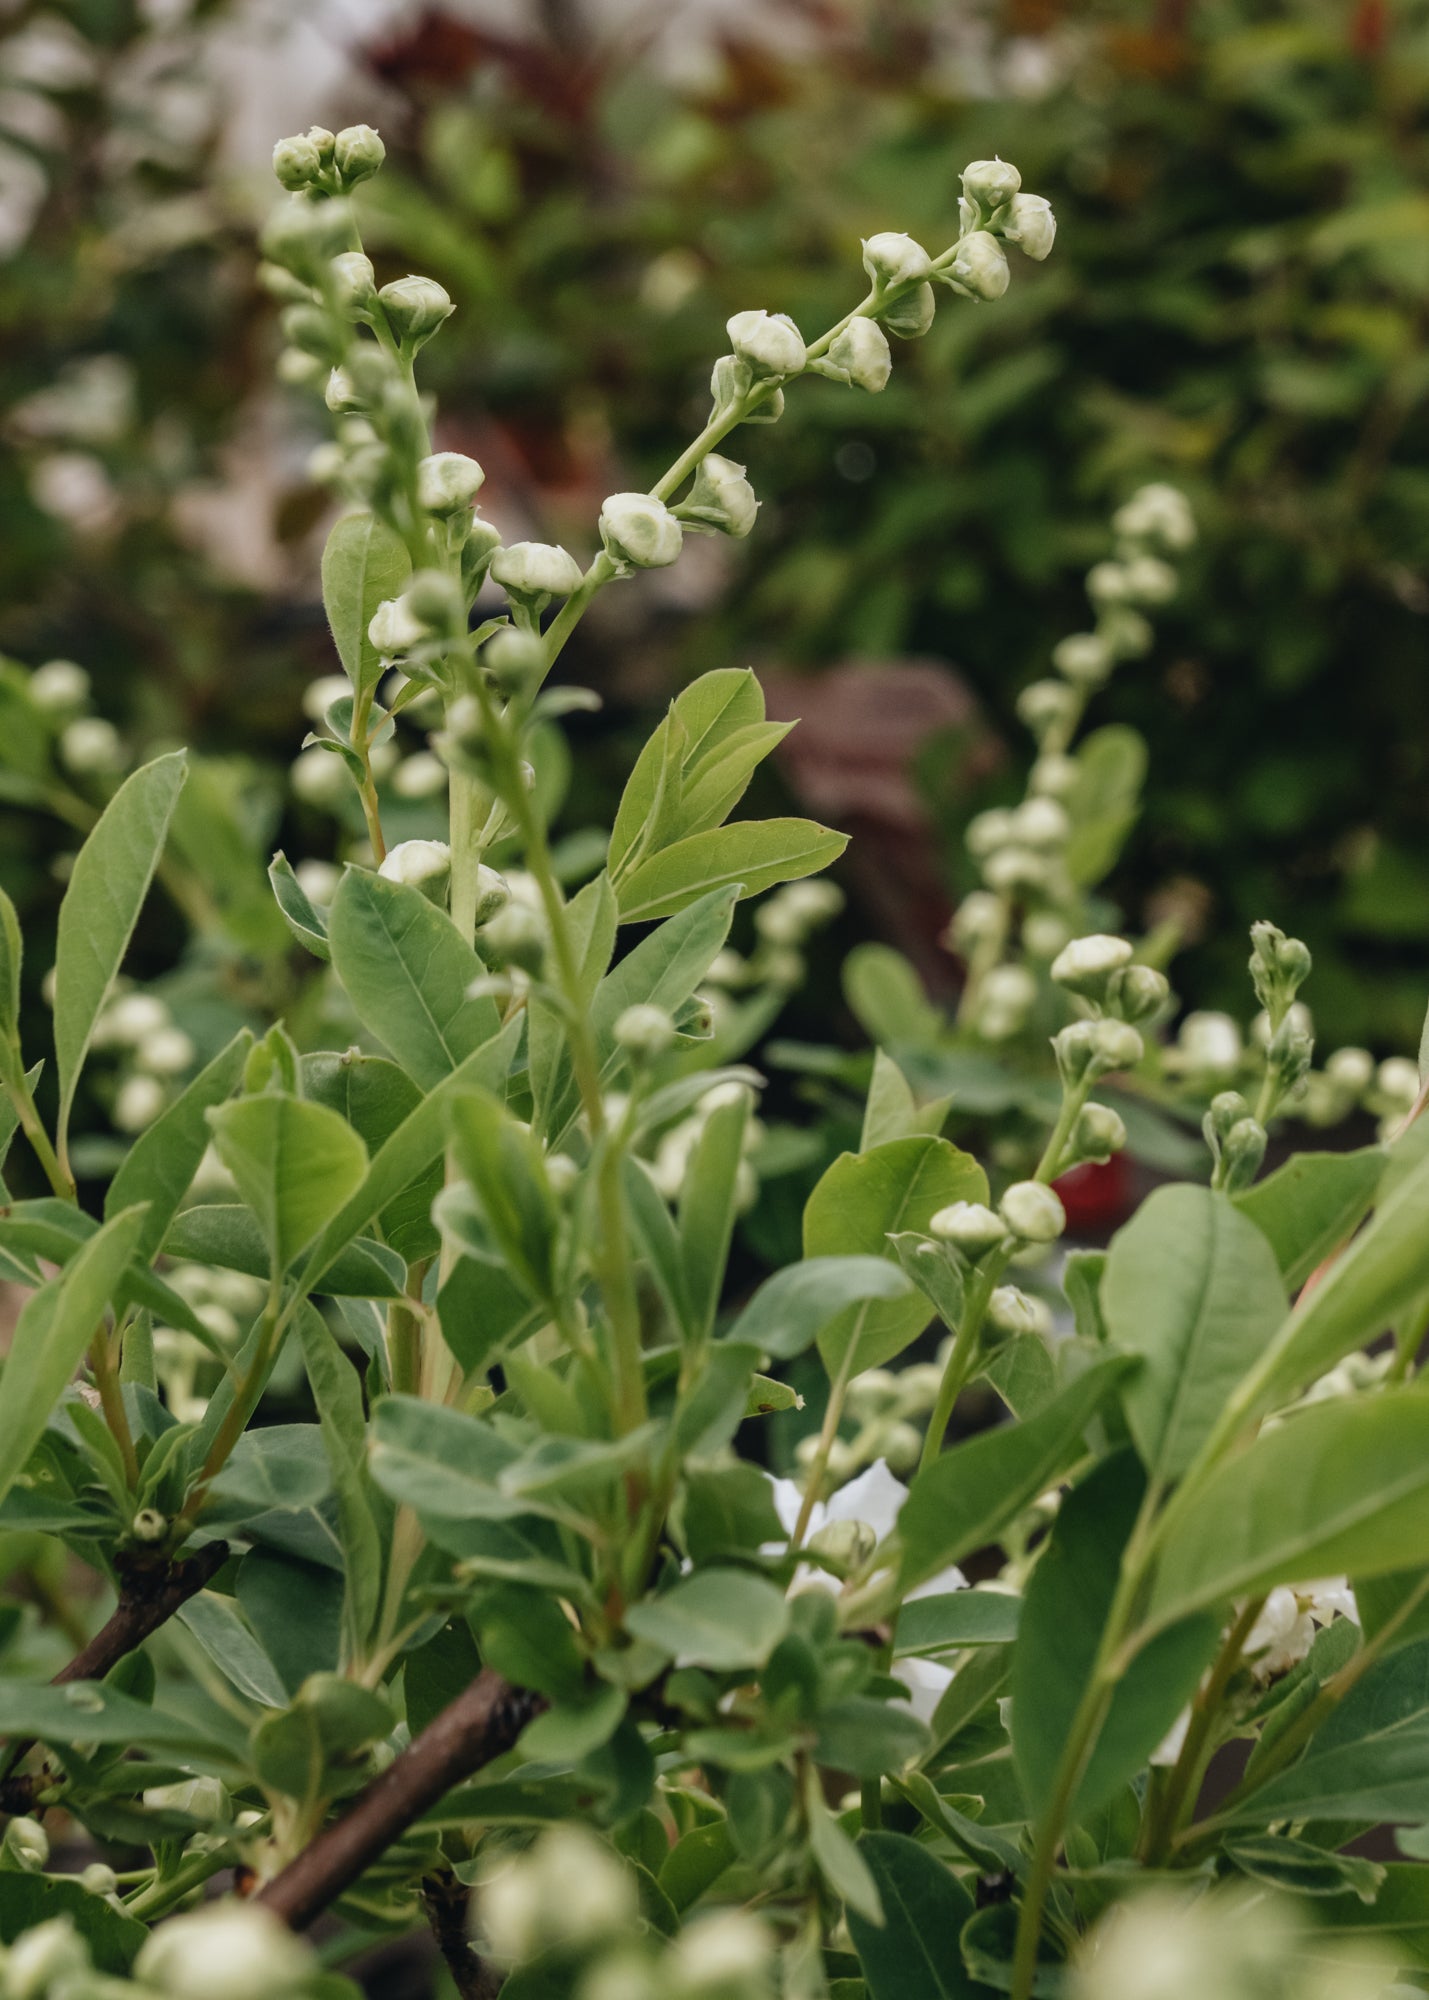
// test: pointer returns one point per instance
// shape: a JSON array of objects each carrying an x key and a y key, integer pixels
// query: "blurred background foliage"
[{"x": 1237, "y": 302}]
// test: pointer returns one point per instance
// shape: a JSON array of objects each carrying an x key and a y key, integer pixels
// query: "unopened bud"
[
  {"x": 1033, "y": 1211},
  {"x": 354, "y": 282},
  {"x": 1098, "y": 1133},
  {"x": 639, "y": 532},
  {"x": 911, "y": 314},
  {"x": 968, "y": 1226},
  {"x": 515, "y": 936},
  {"x": 990, "y": 182},
  {"x": 1210, "y": 1043},
  {"x": 536, "y": 569},
  {"x": 448, "y": 482},
  {"x": 1031, "y": 225},
  {"x": 1084, "y": 658},
  {"x": 1158, "y": 514},
  {"x": 1116, "y": 1045},
  {"x": 27, "y": 1844},
  {"x": 893, "y": 258},
  {"x": 978, "y": 919},
  {"x": 420, "y": 864},
  {"x": 1243, "y": 1149},
  {"x": 721, "y": 498},
  {"x": 1397, "y": 1079},
  {"x": 228, "y": 1950},
  {"x": 980, "y": 267},
  {"x": 860, "y": 356},
  {"x": 1041, "y": 823},
  {"x": 769, "y": 343},
  {"x": 493, "y": 893},
  {"x": 1137, "y": 992},
  {"x": 394, "y": 627},
  {"x": 1043, "y": 705},
  {"x": 434, "y": 599},
  {"x": 98, "y": 1879},
  {"x": 304, "y": 236},
  {"x": 1352, "y": 1069},
  {"x": 43, "y": 1958},
  {"x": 1149, "y": 580},
  {"x": 297, "y": 162},
  {"x": 1086, "y": 965},
  {"x": 415, "y": 308},
  {"x": 513, "y": 659},
  {"x": 644, "y": 1031},
  {"x": 1010, "y": 1312},
  {"x": 1044, "y": 933},
  {"x": 843, "y": 1545},
  {"x": 59, "y": 687},
  {"x": 358, "y": 152},
  {"x": 149, "y": 1525}
]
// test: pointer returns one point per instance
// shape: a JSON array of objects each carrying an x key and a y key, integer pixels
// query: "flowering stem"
[
  {"x": 963, "y": 1358},
  {"x": 1162, "y": 1827}
]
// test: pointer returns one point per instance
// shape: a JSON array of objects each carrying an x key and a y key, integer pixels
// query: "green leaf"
[
  {"x": 1369, "y": 1760},
  {"x": 295, "y": 1610},
  {"x": 375, "y": 1097},
  {"x": 415, "y": 1143},
  {"x": 887, "y": 998},
  {"x": 407, "y": 969},
  {"x": 1384, "y": 1270},
  {"x": 867, "y": 1737},
  {"x": 1302, "y": 1868},
  {"x": 363, "y": 563},
  {"x": 1193, "y": 1288},
  {"x": 1063, "y": 1618},
  {"x": 96, "y": 1712},
  {"x": 107, "y": 887},
  {"x": 506, "y": 1170},
  {"x": 861, "y": 1201},
  {"x": 695, "y": 1863},
  {"x": 111, "y": 1938},
  {"x": 295, "y": 1164},
  {"x": 228, "y": 1639},
  {"x": 1339, "y": 1488},
  {"x": 718, "y": 1618},
  {"x": 839, "y": 1862},
  {"x": 956, "y": 1618},
  {"x": 306, "y": 923},
  {"x": 791, "y": 1309},
  {"x": 226, "y": 1234},
  {"x": 51, "y": 1335},
  {"x": 708, "y": 1200},
  {"x": 913, "y": 1954},
  {"x": 727, "y": 1510},
  {"x": 966, "y": 1496},
  {"x": 1312, "y": 1204},
  {"x": 11, "y": 957},
  {"x": 1104, "y": 801},
  {"x": 702, "y": 720},
  {"x": 159, "y": 1167},
  {"x": 337, "y": 1393},
  {"x": 749, "y": 857},
  {"x": 591, "y": 921}
]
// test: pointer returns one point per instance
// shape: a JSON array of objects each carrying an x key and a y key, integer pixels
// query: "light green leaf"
[
  {"x": 718, "y": 1618},
  {"x": 227, "y": 1638},
  {"x": 306, "y": 922},
  {"x": 440, "y": 1462},
  {"x": 1104, "y": 801},
  {"x": 337, "y": 1394},
  {"x": 702, "y": 720},
  {"x": 966, "y": 1496},
  {"x": 363, "y": 563},
  {"x": 708, "y": 1200},
  {"x": 507, "y": 1173},
  {"x": 375, "y": 1097},
  {"x": 1312, "y": 1204},
  {"x": 107, "y": 887},
  {"x": 407, "y": 969},
  {"x": 750, "y": 856},
  {"x": 862, "y": 1200},
  {"x": 295, "y": 1165},
  {"x": 1193, "y": 1288},
  {"x": 11, "y": 955},
  {"x": 956, "y": 1618},
  {"x": 1339, "y": 1488},
  {"x": 791, "y": 1309},
  {"x": 229, "y": 1235},
  {"x": 887, "y": 998},
  {"x": 160, "y": 1165},
  {"x": 591, "y": 920},
  {"x": 51, "y": 1335},
  {"x": 1064, "y": 1616},
  {"x": 913, "y": 1954}
]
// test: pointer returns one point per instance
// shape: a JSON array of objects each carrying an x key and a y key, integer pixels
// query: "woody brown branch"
[{"x": 479, "y": 1726}]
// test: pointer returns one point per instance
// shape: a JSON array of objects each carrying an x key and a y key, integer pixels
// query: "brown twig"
[
  {"x": 444, "y": 1899},
  {"x": 482, "y": 1723},
  {"x": 149, "y": 1594}
]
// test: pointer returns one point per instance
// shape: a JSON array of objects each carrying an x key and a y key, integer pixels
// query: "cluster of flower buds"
[
  {"x": 1099, "y": 972},
  {"x": 318, "y": 162},
  {"x": 1289, "y": 1048},
  {"x": 154, "y": 1054},
  {"x": 1236, "y": 1140},
  {"x": 890, "y": 1410}
]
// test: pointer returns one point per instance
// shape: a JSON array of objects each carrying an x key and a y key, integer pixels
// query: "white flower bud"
[
  {"x": 726, "y": 1952},
  {"x": 988, "y": 831},
  {"x": 639, "y": 531},
  {"x": 358, "y": 152},
  {"x": 980, "y": 266},
  {"x": 354, "y": 285},
  {"x": 229, "y": 1950},
  {"x": 769, "y": 343},
  {"x": 1044, "y": 704},
  {"x": 1157, "y": 513},
  {"x": 139, "y": 1102},
  {"x": 1015, "y": 868},
  {"x": 1098, "y": 1133},
  {"x": 977, "y": 920},
  {"x": 98, "y": 1879},
  {"x": 1044, "y": 933},
  {"x": 420, "y": 776},
  {"x": 860, "y": 356},
  {"x": 318, "y": 880},
  {"x": 536, "y": 569},
  {"x": 1210, "y": 1044},
  {"x": 59, "y": 687},
  {"x": 1084, "y": 658},
  {"x": 1137, "y": 992},
  {"x": 1053, "y": 777},
  {"x": 27, "y": 1843},
  {"x": 1352, "y": 1069},
  {"x": 911, "y": 313},
  {"x": 721, "y": 498},
  {"x": 1008, "y": 995},
  {"x": 562, "y": 1172},
  {"x": 1109, "y": 583},
  {"x": 415, "y": 308},
  {"x": 394, "y": 627},
  {"x": 1115, "y": 1045},
  {"x": 1033, "y": 1211},
  {"x": 149, "y": 1525},
  {"x": 434, "y": 599},
  {"x": 167, "y": 1052},
  {"x": 42, "y": 1957},
  {"x": 90, "y": 746},
  {"x": 990, "y": 182},
  {"x": 420, "y": 864},
  {"x": 1149, "y": 580},
  {"x": 568, "y": 1889},
  {"x": 341, "y": 392},
  {"x": 892, "y": 258},
  {"x": 969, "y": 1226},
  {"x": 130, "y": 1019},
  {"x": 845, "y": 1545},
  {"x": 319, "y": 695},
  {"x": 297, "y": 162},
  {"x": 448, "y": 482},
  {"x": 1398, "y": 1079},
  {"x": 302, "y": 236},
  {"x": 1031, "y": 225},
  {"x": 1011, "y": 1312},
  {"x": 644, "y": 1031},
  {"x": 1041, "y": 823},
  {"x": 515, "y": 935},
  {"x": 1126, "y": 633},
  {"x": 318, "y": 777},
  {"x": 1085, "y": 965}
]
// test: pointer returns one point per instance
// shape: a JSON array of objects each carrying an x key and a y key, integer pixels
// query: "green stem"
[
  {"x": 468, "y": 819},
  {"x": 1073, "y": 1101},
  {"x": 245, "y": 1401},
  {"x": 32, "y": 1125},
  {"x": 1188, "y": 1770},
  {"x": 111, "y": 1402},
  {"x": 165, "y": 1890},
  {"x": 833, "y": 1417},
  {"x": 963, "y": 1358}
]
